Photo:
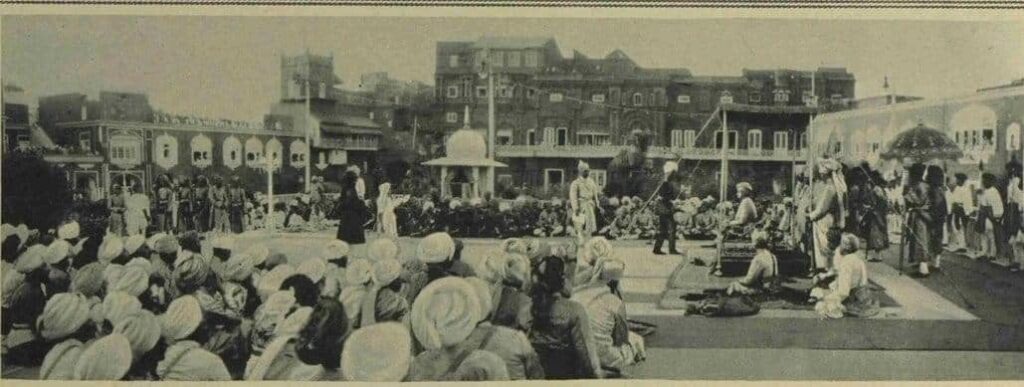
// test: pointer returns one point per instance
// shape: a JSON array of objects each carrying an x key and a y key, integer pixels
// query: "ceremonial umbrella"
[{"x": 922, "y": 144}]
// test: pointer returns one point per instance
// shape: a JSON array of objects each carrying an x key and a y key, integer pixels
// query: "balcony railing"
[
  {"x": 569, "y": 151},
  {"x": 606, "y": 151},
  {"x": 350, "y": 143}
]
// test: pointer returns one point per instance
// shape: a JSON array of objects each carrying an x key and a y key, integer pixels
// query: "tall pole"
[
  {"x": 415, "y": 123},
  {"x": 309, "y": 147},
  {"x": 269, "y": 219},
  {"x": 724, "y": 178},
  {"x": 492, "y": 152}
]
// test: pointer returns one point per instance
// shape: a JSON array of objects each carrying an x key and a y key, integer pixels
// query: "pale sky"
[{"x": 228, "y": 67}]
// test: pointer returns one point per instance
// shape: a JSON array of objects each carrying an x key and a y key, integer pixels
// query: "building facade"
[
  {"x": 369, "y": 126},
  {"x": 119, "y": 139},
  {"x": 553, "y": 110}
]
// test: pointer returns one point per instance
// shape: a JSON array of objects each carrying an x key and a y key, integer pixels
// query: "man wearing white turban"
[
  {"x": 441, "y": 257},
  {"x": 358, "y": 278},
  {"x": 509, "y": 344},
  {"x": 64, "y": 322},
  {"x": 445, "y": 313},
  {"x": 383, "y": 302},
  {"x": 107, "y": 358},
  {"x": 378, "y": 353},
  {"x": 280, "y": 361},
  {"x": 667, "y": 192},
  {"x": 185, "y": 359},
  {"x": 142, "y": 329},
  {"x": 827, "y": 212},
  {"x": 617, "y": 347},
  {"x": 583, "y": 200}
]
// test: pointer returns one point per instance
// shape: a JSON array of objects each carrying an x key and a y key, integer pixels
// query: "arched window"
[
  {"x": 253, "y": 152},
  {"x": 638, "y": 99},
  {"x": 297, "y": 152},
  {"x": 202, "y": 151},
  {"x": 754, "y": 139},
  {"x": 232, "y": 152},
  {"x": 274, "y": 151},
  {"x": 166, "y": 151},
  {"x": 1013, "y": 137}
]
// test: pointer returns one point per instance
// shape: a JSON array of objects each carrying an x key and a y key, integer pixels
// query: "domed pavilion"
[{"x": 466, "y": 171}]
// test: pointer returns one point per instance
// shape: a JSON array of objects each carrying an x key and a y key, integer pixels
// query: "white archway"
[
  {"x": 232, "y": 152},
  {"x": 165, "y": 151},
  {"x": 253, "y": 152},
  {"x": 202, "y": 151}
]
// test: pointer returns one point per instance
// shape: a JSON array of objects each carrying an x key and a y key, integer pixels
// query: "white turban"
[
  {"x": 492, "y": 267},
  {"x": 612, "y": 270},
  {"x": 237, "y": 268},
  {"x": 514, "y": 245},
  {"x": 6, "y": 230},
  {"x": 583, "y": 166},
  {"x": 60, "y": 362},
  {"x": 258, "y": 254},
  {"x": 117, "y": 306},
  {"x": 386, "y": 271},
  {"x": 133, "y": 243},
  {"x": 744, "y": 185},
  {"x": 313, "y": 268},
  {"x": 335, "y": 249},
  {"x": 295, "y": 322},
  {"x": 142, "y": 329},
  {"x": 382, "y": 249},
  {"x": 436, "y": 248},
  {"x": 517, "y": 268},
  {"x": 598, "y": 248},
  {"x": 223, "y": 242},
  {"x": 271, "y": 282},
  {"x": 483, "y": 296},
  {"x": 445, "y": 313},
  {"x": 57, "y": 251},
  {"x": 133, "y": 280},
  {"x": 154, "y": 239},
  {"x": 358, "y": 272},
  {"x": 31, "y": 259},
  {"x": 111, "y": 248},
  {"x": 278, "y": 363},
  {"x": 63, "y": 314},
  {"x": 68, "y": 230},
  {"x": 107, "y": 358},
  {"x": 182, "y": 318},
  {"x": 669, "y": 167},
  {"x": 141, "y": 263},
  {"x": 377, "y": 353}
]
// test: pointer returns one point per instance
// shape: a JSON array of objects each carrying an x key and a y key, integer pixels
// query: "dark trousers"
[
  {"x": 235, "y": 214},
  {"x": 666, "y": 231}
]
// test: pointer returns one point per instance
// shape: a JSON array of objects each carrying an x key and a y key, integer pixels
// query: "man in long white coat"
[{"x": 583, "y": 199}]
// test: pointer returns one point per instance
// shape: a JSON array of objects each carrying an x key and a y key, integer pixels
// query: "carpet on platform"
[{"x": 689, "y": 284}]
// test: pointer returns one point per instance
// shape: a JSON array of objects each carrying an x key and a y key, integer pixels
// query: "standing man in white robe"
[{"x": 583, "y": 199}]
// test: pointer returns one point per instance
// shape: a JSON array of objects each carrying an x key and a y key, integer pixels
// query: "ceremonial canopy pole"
[{"x": 723, "y": 180}]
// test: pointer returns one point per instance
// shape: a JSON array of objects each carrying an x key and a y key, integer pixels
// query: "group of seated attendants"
[
  {"x": 160, "y": 308},
  {"x": 842, "y": 290}
]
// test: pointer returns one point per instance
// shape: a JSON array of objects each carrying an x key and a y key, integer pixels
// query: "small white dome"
[{"x": 466, "y": 144}]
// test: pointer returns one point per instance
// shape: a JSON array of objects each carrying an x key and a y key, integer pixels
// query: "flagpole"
[{"x": 309, "y": 147}]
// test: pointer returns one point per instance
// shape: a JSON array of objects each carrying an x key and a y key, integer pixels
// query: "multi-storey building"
[
  {"x": 369, "y": 125},
  {"x": 16, "y": 133},
  {"x": 552, "y": 110},
  {"x": 120, "y": 139}
]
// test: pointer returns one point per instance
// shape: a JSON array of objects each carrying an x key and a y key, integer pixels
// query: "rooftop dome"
[{"x": 466, "y": 144}]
